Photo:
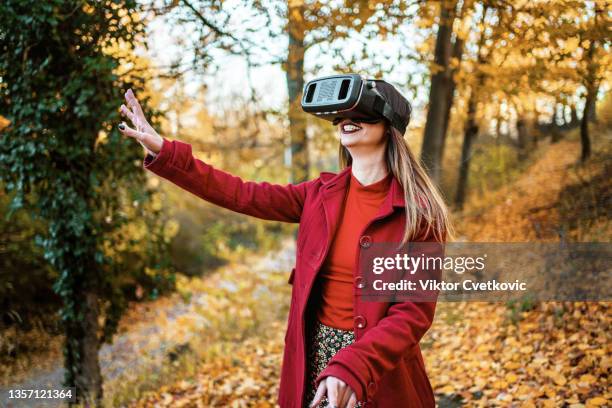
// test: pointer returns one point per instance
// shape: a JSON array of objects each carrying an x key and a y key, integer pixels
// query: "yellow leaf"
[
  {"x": 512, "y": 365},
  {"x": 511, "y": 377},
  {"x": 571, "y": 44},
  {"x": 587, "y": 379},
  {"x": 447, "y": 389},
  {"x": 480, "y": 382},
  {"x": 596, "y": 402},
  {"x": 559, "y": 379},
  {"x": 524, "y": 389}
]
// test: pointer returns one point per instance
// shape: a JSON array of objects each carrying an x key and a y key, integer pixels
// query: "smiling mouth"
[{"x": 350, "y": 127}]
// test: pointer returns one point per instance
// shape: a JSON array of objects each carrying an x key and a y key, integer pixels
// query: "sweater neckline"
[{"x": 380, "y": 186}]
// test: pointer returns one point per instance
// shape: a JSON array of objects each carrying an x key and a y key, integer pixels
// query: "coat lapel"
[{"x": 334, "y": 191}]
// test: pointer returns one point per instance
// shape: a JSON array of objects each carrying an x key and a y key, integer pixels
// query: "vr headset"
[{"x": 349, "y": 96}]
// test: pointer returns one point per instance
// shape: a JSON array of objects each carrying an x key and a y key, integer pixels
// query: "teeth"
[{"x": 350, "y": 128}]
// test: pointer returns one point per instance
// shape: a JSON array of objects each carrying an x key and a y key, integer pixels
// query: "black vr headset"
[{"x": 351, "y": 96}]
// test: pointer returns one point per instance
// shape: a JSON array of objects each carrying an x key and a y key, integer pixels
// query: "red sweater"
[{"x": 361, "y": 204}]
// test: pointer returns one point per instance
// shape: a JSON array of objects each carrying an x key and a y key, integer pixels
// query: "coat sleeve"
[
  {"x": 176, "y": 163},
  {"x": 362, "y": 364}
]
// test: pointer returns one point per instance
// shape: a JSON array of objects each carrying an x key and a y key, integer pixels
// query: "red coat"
[{"x": 384, "y": 365}]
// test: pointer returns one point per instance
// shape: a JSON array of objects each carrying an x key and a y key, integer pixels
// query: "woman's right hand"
[{"x": 143, "y": 132}]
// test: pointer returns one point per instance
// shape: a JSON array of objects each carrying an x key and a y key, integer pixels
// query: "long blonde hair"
[{"x": 415, "y": 183}]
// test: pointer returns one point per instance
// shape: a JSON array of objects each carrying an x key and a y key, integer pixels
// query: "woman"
[{"x": 339, "y": 350}]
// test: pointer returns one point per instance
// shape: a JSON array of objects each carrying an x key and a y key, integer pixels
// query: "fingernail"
[{"x": 121, "y": 126}]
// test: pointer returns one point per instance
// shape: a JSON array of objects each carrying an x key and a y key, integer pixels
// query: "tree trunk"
[
  {"x": 82, "y": 343},
  {"x": 498, "y": 131},
  {"x": 585, "y": 138},
  {"x": 439, "y": 91},
  {"x": 534, "y": 132},
  {"x": 533, "y": 122},
  {"x": 81, "y": 359},
  {"x": 91, "y": 376},
  {"x": 523, "y": 138},
  {"x": 588, "y": 113},
  {"x": 471, "y": 130},
  {"x": 295, "y": 85},
  {"x": 555, "y": 131},
  {"x": 574, "y": 122},
  {"x": 457, "y": 54},
  {"x": 471, "y": 126}
]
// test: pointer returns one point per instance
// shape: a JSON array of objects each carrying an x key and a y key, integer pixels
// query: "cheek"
[{"x": 375, "y": 135}]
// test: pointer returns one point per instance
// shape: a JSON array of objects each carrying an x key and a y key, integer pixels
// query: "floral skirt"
[{"x": 323, "y": 343}]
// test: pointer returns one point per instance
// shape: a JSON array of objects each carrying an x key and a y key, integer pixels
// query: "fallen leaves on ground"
[
  {"x": 246, "y": 374},
  {"x": 558, "y": 354}
]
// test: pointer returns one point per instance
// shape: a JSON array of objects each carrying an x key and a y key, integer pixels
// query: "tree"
[
  {"x": 63, "y": 159},
  {"x": 471, "y": 124},
  {"x": 593, "y": 67},
  {"x": 294, "y": 68},
  {"x": 441, "y": 89}
]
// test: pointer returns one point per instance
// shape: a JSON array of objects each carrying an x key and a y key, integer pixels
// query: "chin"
[{"x": 350, "y": 140}]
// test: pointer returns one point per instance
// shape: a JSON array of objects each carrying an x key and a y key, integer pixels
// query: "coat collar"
[{"x": 334, "y": 182}]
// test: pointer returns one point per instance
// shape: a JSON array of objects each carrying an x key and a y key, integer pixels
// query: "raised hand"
[{"x": 142, "y": 131}]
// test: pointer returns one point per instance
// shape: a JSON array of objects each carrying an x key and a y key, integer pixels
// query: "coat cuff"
[
  {"x": 346, "y": 375},
  {"x": 157, "y": 163}
]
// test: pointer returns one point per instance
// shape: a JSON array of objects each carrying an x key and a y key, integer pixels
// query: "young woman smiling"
[{"x": 339, "y": 350}]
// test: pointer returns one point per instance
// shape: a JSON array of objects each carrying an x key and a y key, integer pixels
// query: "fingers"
[
  {"x": 343, "y": 396},
  {"x": 136, "y": 120},
  {"x": 352, "y": 402},
  {"x": 133, "y": 102},
  {"x": 319, "y": 394},
  {"x": 332, "y": 392},
  {"x": 140, "y": 136},
  {"x": 128, "y": 113},
  {"x": 336, "y": 392},
  {"x": 136, "y": 115}
]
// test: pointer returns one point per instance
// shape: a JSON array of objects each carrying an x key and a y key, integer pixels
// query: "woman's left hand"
[{"x": 339, "y": 395}]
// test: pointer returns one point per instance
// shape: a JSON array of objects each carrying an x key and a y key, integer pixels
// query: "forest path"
[{"x": 153, "y": 333}]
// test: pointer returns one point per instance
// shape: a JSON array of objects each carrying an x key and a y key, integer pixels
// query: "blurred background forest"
[{"x": 138, "y": 293}]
